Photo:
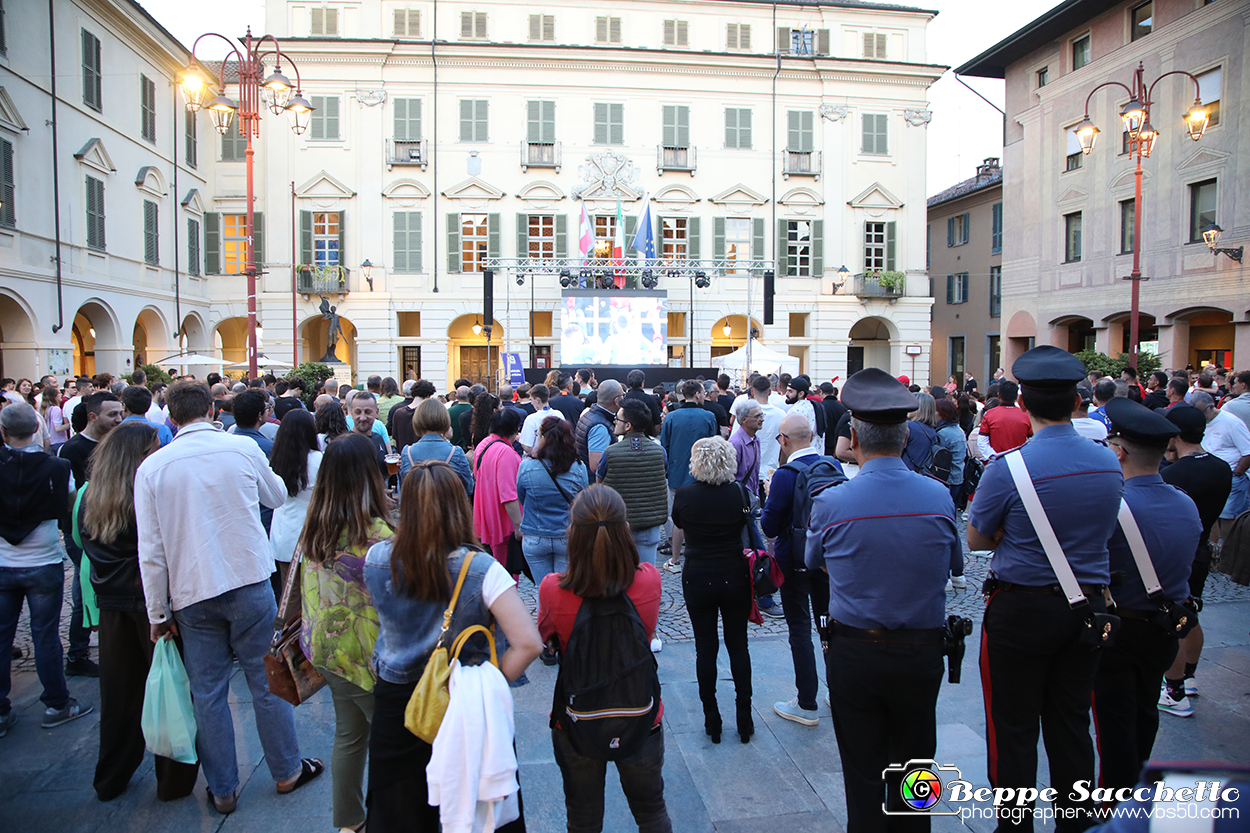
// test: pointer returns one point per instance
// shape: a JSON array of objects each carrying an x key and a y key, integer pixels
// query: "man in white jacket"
[{"x": 208, "y": 581}]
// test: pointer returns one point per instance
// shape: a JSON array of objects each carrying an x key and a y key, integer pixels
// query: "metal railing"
[
  {"x": 402, "y": 152},
  {"x": 675, "y": 159},
  {"x": 540, "y": 155},
  {"x": 869, "y": 286},
  {"x": 630, "y": 268},
  {"x": 316, "y": 279},
  {"x": 801, "y": 163}
]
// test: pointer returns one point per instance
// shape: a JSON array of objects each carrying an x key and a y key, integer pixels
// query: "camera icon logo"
[{"x": 920, "y": 785}]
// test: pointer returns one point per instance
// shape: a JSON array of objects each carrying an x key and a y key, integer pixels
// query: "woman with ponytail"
[{"x": 603, "y": 563}]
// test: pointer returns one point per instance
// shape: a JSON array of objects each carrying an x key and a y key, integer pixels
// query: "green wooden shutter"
[
  {"x": 744, "y": 129},
  {"x": 466, "y": 120},
  {"x": 415, "y": 240},
  {"x": 683, "y": 126},
  {"x": 616, "y": 124},
  {"x": 492, "y": 235},
  {"x": 794, "y": 124},
  {"x": 151, "y": 244},
  {"x": 950, "y": 232},
  {"x": 781, "y": 254},
  {"x": 808, "y": 131},
  {"x": 692, "y": 238},
  {"x": 818, "y": 247},
  {"x": 718, "y": 238},
  {"x": 967, "y": 223},
  {"x": 212, "y": 244},
  {"x": 480, "y": 131},
  {"x": 317, "y": 127},
  {"x": 331, "y": 117},
  {"x": 399, "y": 237},
  {"x": 453, "y": 243},
  {"x": 889, "y": 245},
  {"x": 342, "y": 239},
  {"x": 783, "y": 39},
  {"x": 669, "y": 118},
  {"x": 534, "y": 111},
  {"x": 731, "y": 127},
  {"x": 8, "y": 213},
  {"x": 562, "y": 235},
  {"x": 822, "y": 41},
  {"x": 305, "y": 237},
  {"x": 950, "y": 289},
  {"x": 193, "y": 247},
  {"x": 549, "y": 121},
  {"x": 258, "y": 238},
  {"x": 601, "y": 124},
  {"x": 407, "y": 119},
  {"x": 522, "y": 235},
  {"x": 757, "y": 238}
]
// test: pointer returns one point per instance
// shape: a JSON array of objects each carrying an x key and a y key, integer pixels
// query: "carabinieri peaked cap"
[
  {"x": 1048, "y": 368},
  {"x": 875, "y": 396},
  {"x": 1136, "y": 422}
]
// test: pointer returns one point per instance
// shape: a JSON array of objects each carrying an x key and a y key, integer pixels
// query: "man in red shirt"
[{"x": 1005, "y": 427}]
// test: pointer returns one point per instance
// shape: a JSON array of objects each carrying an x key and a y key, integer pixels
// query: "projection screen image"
[{"x": 603, "y": 327}]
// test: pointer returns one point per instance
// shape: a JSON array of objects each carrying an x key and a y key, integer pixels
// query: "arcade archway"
[
  {"x": 472, "y": 352},
  {"x": 871, "y": 345},
  {"x": 315, "y": 332},
  {"x": 150, "y": 338},
  {"x": 18, "y": 351},
  {"x": 94, "y": 335},
  {"x": 725, "y": 341}
]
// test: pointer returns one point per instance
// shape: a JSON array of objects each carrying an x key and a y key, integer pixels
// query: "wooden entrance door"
[{"x": 477, "y": 366}]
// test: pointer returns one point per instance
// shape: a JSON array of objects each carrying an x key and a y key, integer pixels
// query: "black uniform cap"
[
  {"x": 1190, "y": 421},
  {"x": 1136, "y": 422},
  {"x": 1048, "y": 368},
  {"x": 875, "y": 396}
]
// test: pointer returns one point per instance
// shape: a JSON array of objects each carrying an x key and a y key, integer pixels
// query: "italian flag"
[{"x": 618, "y": 246}]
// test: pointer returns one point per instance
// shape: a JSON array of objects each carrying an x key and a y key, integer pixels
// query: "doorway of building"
[
  {"x": 478, "y": 365},
  {"x": 854, "y": 360}
]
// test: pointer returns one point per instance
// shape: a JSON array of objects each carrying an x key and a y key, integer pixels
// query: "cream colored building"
[
  {"x": 1069, "y": 218},
  {"x": 794, "y": 133}
]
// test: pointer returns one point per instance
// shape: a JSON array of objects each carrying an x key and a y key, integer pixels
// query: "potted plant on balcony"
[{"x": 891, "y": 281}]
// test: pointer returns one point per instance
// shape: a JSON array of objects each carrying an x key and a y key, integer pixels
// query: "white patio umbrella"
[
  {"x": 191, "y": 360},
  {"x": 263, "y": 362}
]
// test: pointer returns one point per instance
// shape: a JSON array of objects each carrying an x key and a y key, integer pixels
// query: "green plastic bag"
[{"x": 168, "y": 718}]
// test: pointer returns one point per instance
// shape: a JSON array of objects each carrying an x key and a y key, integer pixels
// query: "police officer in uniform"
[
  {"x": 1034, "y": 666},
  {"x": 887, "y": 602},
  {"x": 1127, "y": 686}
]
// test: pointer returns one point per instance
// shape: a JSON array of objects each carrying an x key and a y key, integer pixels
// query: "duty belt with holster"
[
  {"x": 1171, "y": 618},
  {"x": 950, "y": 637}
]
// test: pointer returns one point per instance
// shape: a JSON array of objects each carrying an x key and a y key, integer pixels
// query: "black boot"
[
  {"x": 712, "y": 722},
  {"x": 746, "y": 722}
]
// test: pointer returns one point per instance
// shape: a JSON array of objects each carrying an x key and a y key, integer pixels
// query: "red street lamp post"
[
  {"x": 1141, "y": 136},
  {"x": 255, "y": 92}
]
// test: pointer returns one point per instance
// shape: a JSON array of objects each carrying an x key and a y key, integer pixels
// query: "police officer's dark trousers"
[
  {"x": 1034, "y": 668},
  {"x": 884, "y": 697},
  {"x": 1126, "y": 693},
  {"x": 805, "y": 594}
]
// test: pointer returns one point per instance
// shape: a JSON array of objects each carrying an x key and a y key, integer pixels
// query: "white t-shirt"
[
  {"x": 67, "y": 410},
  {"x": 529, "y": 429},
  {"x": 495, "y": 583},
  {"x": 770, "y": 446},
  {"x": 1227, "y": 438},
  {"x": 1091, "y": 428}
]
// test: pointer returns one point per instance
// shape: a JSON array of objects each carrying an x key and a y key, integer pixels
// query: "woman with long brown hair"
[
  {"x": 110, "y": 539},
  {"x": 347, "y": 515},
  {"x": 603, "y": 563},
  {"x": 53, "y": 417},
  {"x": 409, "y": 578}
]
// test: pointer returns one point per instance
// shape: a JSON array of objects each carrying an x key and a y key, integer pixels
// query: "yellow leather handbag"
[{"x": 424, "y": 712}]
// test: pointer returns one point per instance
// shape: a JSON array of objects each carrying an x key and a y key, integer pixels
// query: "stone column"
[{"x": 1174, "y": 344}]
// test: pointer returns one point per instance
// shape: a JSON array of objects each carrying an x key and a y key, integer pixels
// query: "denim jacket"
[
  {"x": 410, "y": 626},
  {"x": 434, "y": 447},
  {"x": 545, "y": 511}
]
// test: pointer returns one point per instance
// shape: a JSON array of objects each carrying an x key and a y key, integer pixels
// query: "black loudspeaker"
[
  {"x": 488, "y": 297},
  {"x": 770, "y": 289}
]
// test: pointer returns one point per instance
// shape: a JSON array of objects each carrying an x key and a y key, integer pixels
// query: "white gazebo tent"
[{"x": 755, "y": 358}]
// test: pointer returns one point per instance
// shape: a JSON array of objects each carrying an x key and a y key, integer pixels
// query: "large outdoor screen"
[{"x": 614, "y": 327}]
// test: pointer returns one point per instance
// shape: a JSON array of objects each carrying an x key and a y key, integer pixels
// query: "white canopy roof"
[{"x": 762, "y": 360}]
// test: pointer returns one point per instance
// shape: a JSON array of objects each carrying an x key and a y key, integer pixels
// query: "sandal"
[
  {"x": 665, "y": 549},
  {"x": 672, "y": 566},
  {"x": 310, "y": 768},
  {"x": 224, "y": 806}
]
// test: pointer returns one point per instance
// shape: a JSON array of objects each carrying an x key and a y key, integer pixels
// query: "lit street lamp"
[
  {"x": 1141, "y": 137},
  {"x": 256, "y": 90}
]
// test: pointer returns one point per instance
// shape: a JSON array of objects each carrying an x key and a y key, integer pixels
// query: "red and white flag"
[
  {"x": 585, "y": 235},
  {"x": 618, "y": 246}
]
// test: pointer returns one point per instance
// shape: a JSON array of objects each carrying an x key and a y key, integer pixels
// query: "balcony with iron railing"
[
  {"x": 801, "y": 163},
  {"x": 312, "y": 280},
  {"x": 402, "y": 152},
  {"x": 889, "y": 285},
  {"x": 675, "y": 159},
  {"x": 540, "y": 155}
]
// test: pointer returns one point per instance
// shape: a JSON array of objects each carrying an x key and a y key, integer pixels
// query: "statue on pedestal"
[{"x": 334, "y": 330}]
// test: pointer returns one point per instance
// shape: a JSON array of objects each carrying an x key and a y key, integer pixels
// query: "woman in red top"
[{"x": 603, "y": 562}]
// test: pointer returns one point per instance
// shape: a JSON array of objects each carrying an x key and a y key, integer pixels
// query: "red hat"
[{"x": 904, "y": 379}]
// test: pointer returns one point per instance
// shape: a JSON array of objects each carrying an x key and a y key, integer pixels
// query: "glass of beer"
[{"x": 392, "y": 464}]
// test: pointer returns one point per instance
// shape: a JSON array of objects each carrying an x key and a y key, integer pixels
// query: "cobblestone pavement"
[{"x": 675, "y": 624}]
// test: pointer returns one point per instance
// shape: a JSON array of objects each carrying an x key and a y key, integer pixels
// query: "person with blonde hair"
[{"x": 712, "y": 512}]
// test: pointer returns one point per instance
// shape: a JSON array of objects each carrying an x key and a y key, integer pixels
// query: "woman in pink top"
[{"x": 496, "y": 510}]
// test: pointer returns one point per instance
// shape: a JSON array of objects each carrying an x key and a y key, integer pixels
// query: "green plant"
[
  {"x": 155, "y": 376},
  {"x": 311, "y": 373},
  {"x": 890, "y": 280},
  {"x": 1147, "y": 363}
]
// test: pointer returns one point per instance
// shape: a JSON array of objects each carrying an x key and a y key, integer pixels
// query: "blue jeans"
[
  {"x": 545, "y": 555},
  {"x": 804, "y": 595},
  {"x": 646, "y": 540},
  {"x": 42, "y": 588},
  {"x": 239, "y": 619},
  {"x": 1238, "y": 498}
]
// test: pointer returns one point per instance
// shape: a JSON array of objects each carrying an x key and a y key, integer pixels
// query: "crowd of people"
[{"x": 409, "y": 515}]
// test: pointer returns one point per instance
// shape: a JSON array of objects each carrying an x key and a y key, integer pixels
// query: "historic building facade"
[
  {"x": 1069, "y": 217},
  {"x": 792, "y": 134}
]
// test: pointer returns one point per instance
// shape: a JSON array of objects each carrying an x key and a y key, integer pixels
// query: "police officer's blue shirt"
[
  {"x": 1079, "y": 484},
  {"x": 886, "y": 537},
  {"x": 1169, "y": 525}
]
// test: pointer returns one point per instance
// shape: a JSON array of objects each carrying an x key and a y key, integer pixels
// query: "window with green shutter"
[
  {"x": 607, "y": 30},
  {"x": 676, "y": 33},
  {"x": 8, "y": 211},
  {"x": 151, "y": 234},
  {"x": 212, "y": 244},
  {"x": 537, "y": 236},
  {"x": 543, "y": 27},
  {"x": 876, "y": 141},
  {"x": 95, "y": 214},
  {"x": 738, "y": 128},
  {"x": 609, "y": 124},
  {"x": 541, "y": 121},
  {"x": 996, "y": 228},
  {"x": 800, "y": 131},
  {"x": 192, "y": 139},
  {"x": 147, "y": 108},
  {"x": 325, "y": 119},
  {"x": 407, "y": 242},
  {"x": 473, "y": 25},
  {"x": 407, "y": 119},
  {"x": 233, "y": 146},
  {"x": 676, "y": 130},
  {"x": 407, "y": 23},
  {"x": 92, "y": 72},
  {"x": 473, "y": 119},
  {"x": 193, "y": 246}
]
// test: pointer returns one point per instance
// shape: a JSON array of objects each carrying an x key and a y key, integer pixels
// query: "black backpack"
[
  {"x": 937, "y": 463},
  {"x": 808, "y": 482},
  {"x": 607, "y": 694}
]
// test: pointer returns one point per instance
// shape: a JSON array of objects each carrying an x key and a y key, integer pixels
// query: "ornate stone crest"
[
  {"x": 371, "y": 98},
  {"x": 833, "y": 112},
  {"x": 607, "y": 174},
  {"x": 918, "y": 118}
]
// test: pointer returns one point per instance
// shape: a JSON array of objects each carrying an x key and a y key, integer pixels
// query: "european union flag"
[{"x": 644, "y": 238}]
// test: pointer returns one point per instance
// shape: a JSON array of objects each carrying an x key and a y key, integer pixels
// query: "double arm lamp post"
[{"x": 1141, "y": 137}]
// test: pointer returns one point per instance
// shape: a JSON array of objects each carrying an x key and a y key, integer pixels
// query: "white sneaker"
[
  {"x": 793, "y": 712},
  {"x": 959, "y": 582},
  {"x": 657, "y": 645},
  {"x": 1191, "y": 687},
  {"x": 1180, "y": 708}
]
